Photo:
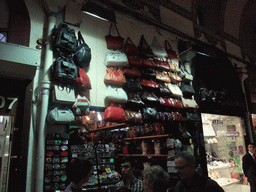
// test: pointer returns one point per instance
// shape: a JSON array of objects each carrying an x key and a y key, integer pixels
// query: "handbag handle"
[
  {"x": 128, "y": 40},
  {"x": 115, "y": 28},
  {"x": 183, "y": 68},
  {"x": 143, "y": 42},
  {"x": 80, "y": 38},
  {"x": 167, "y": 44}
]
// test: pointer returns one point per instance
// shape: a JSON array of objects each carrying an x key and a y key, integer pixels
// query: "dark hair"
[
  {"x": 128, "y": 159},
  {"x": 78, "y": 169},
  {"x": 250, "y": 144},
  {"x": 187, "y": 157}
]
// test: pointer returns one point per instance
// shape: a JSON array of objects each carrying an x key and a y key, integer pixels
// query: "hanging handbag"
[
  {"x": 148, "y": 83},
  {"x": 116, "y": 94},
  {"x": 148, "y": 73},
  {"x": 134, "y": 61},
  {"x": 149, "y": 97},
  {"x": 174, "y": 65},
  {"x": 129, "y": 48},
  {"x": 189, "y": 103},
  {"x": 83, "y": 80},
  {"x": 116, "y": 59},
  {"x": 174, "y": 77},
  {"x": 81, "y": 106},
  {"x": 64, "y": 71},
  {"x": 176, "y": 91},
  {"x": 149, "y": 114},
  {"x": 163, "y": 76},
  {"x": 177, "y": 116},
  {"x": 63, "y": 94},
  {"x": 164, "y": 90},
  {"x": 191, "y": 117},
  {"x": 132, "y": 85},
  {"x": 165, "y": 116},
  {"x": 170, "y": 102},
  {"x": 114, "y": 114},
  {"x": 114, "y": 42},
  {"x": 187, "y": 90},
  {"x": 170, "y": 52},
  {"x": 157, "y": 49},
  {"x": 144, "y": 49},
  {"x": 134, "y": 99},
  {"x": 148, "y": 63},
  {"x": 161, "y": 64},
  {"x": 60, "y": 116},
  {"x": 187, "y": 77},
  {"x": 82, "y": 56},
  {"x": 133, "y": 116},
  {"x": 114, "y": 77},
  {"x": 131, "y": 72}
]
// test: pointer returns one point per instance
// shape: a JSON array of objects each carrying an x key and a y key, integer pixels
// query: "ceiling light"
[{"x": 98, "y": 10}]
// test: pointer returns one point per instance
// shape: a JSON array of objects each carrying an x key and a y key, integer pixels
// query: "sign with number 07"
[{"x": 3, "y": 102}]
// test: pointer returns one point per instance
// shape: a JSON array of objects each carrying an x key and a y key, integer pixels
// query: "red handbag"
[
  {"x": 175, "y": 103},
  {"x": 177, "y": 116},
  {"x": 148, "y": 63},
  {"x": 114, "y": 77},
  {"x": 171, "y": 53},
  {"x": 133, "y": 117},
  {"x": 130, "y": 48},
  {"x": 135, "y": 61},
  {"x": 162, "y": 65},
  {"x": 114, "y": 114},
  {"x": 83, "y": 80},
  {"x": 114, "y": 42},
  {"x": 149, "y": 83},
  {"x": 131, "y": 72}
]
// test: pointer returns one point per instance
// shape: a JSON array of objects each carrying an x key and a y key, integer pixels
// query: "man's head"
[
  {"x": 251, "y": 147},
  {"x": 127, "y": 167},
  {"x": 185, "y": 165}
]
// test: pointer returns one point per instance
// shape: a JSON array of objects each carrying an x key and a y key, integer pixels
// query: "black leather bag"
[
  {"x": 148, "y": 73},
  {"x": 134, "y": 99},
  {"x": 132, "y": 85},
  {"x": 82, "y": 57},
  {"x": 164, "y": 90},
  {"x": 187, "y": 90},
  {"x": 149, "y": 114},
  {"x": 144, "y": 49},
  {"x": 149, "y": 97},
  {"x": 64, "y": 71}
]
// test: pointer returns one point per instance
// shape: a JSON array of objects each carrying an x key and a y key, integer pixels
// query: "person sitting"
[
  {"x": 155, "y": 179},
  {"x": 79, "y": 173},
  {"x": 128, "y": 179},
  {"x": 190, "y": 179}
]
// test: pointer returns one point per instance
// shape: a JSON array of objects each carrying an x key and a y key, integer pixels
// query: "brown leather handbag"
[
  {"x": 163, "y": 76},
  {"x": 174, "y": 77},
  {"x": 131, "y": 72},
  {"x": 114, "y": 77},
  {"x": 133, "y": 116}
]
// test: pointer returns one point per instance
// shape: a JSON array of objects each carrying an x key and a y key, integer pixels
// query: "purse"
[
  {"x": 149, "y": 97},
  {"x": 177, "y": 116},
  {"x": 163, "y": 76},
  {"x": 133, "y": 85},
  {"x": 170, "y": 102},
  {"x": 148, "y": 83},
  {"x": 174, "y": 64},
  {"x": 144, "y": 50},
  {"x": 148, "y": 63},
  {"x": 82, "y": 56},
  {"x": 176, "y": 91},
  {"x": 187, "y": 90},
  {"x": 115, "y": 94},
  {"x": 148, "y": 73},
  {"x": 134, "y": 61},
  {"x": 81, "y": 106},
  {"x": 131, "y": 72},
  {"x": 175, "y": 79},
  {"x": 162, "y": 64},
  {"x": 114, "y": 114},
  {"x": 187, "y": 77},
  {"x": 189, "y": 103},
  {"x": 129, "y": 48},
  {"x": 63, "y": 94},
  {"x": 165, "y": 116},
  {"x": 164, "y": 90},
  {"x": 134, "y": 99},
  {"x": 83, "y": 80},
  {"x": 149, "y": 114},
  {"x": 60, "y": 116},
  {"x": 171, "y": 54},
  {"x": 114, "y": 42},
  {"x": 133, "y": 116},
  {"x": 114, "y": 77},
  {"x": 116, "y": 59},
  {"x": 157, "y": 49}
]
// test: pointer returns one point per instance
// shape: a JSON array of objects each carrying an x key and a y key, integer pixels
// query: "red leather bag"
[
  {"x": 114, "y": 77},
  {"x": 149, "y": 83},
  {"x": 171, "y": 53},
  {"x": 130, "y": 48},
  {"x": 162, "y": 64},
  {"x": 131, "y": 72},
  {"x": 135, "y": 61},
  {"x": 133, "y": 116},
  {"x": 170, "y": 102},
  {"x": 177, "y": 116},
  {"x": 83, "y": 80},
  {"x": 114, "y": 114},
  {"x": 148, "y": 63},
  {"x": 114, "y": 42}
]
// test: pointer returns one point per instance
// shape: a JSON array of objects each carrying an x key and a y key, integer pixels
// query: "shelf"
[
  {"x": 140, "y": 155},
  {"x": 147, "y": 137},
  {"x": 107, "y": 128}
]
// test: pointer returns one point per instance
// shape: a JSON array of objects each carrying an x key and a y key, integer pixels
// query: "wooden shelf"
[
  {"x": 140, "y": 155},
  {"x": 107, "y": 128},
  {"x": 147, "y": 137}
]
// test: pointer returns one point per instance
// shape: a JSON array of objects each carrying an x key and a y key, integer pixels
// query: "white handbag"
[
  {"x": 187, "y": 77},
  {"x": 116, "y": 94},
  {"x": 189, "y": 103},
  {"x": 63, "y": 94},
  {"x": 116, "y": 59},
  {"x": 174, "y": 65},
  {"x": 81, "y": 106},
  {"x": 60, "y": 116},
  {"x": 157, "y": 49},
  {"x": 176, "y": 91}
]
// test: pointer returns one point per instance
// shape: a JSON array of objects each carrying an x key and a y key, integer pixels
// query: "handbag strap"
[
  {"x": 129, "y": 41},
  {"x": 144, "y": 43},
  {"x": 167, "y": 45},
  {"x": 155, "y": 43},
  {"x": 183, "y": 68},
  {"x": 80, "y": 38},
  {"x": 111, "y": 24}
]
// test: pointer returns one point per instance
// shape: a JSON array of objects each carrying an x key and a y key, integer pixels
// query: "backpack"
[{"x": 64, "y": 40}]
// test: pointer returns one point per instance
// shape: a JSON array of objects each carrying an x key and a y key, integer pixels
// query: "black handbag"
[
  {"x": 132, "y": 85},
  {"x": 164, "y": 90},
  {"x": 64, "y": 71},
  {"x": 187, "y": 90},
  {"x": 149, "y": 114},
  {"x": 147, "y": 73},
  {"x": 144, "y": 49},
  {"x": 134, "y": 99},
  {"x": 82, "y": 57},
  {"x": 149, "y": 97}
]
